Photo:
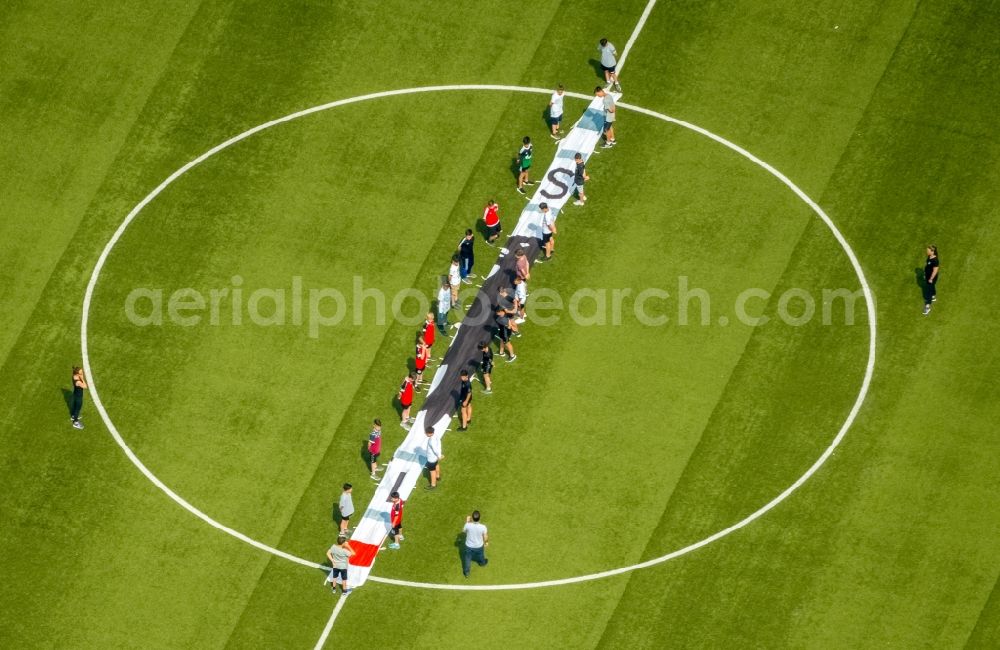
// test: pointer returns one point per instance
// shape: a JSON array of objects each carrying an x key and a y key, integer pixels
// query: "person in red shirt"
[
  {"x": 491, "y": 218},
  {"x": 423, "y": 355},
  {"x": 396, "y": 520},
  {"x": 406, "y": 401},
  {"x": 429, "y": 330}
]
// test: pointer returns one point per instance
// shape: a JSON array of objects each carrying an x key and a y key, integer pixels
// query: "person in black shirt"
[
  {"x": 79, "y": 385},
  {"x": 486, "y": 366},
  {"x": 466, "y": 257},
  {"x": 579, "y": 178},
  {"x": 931, "y": 268},
  {"x": 465, "y": 400},
  {"x": 503, "y": 331}
]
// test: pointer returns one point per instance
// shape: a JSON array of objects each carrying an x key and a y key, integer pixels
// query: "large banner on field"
[{"x": 406, "y": 467}]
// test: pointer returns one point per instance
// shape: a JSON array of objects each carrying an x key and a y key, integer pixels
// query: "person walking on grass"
[
  {"x": 465, "y": 400},
  {"x": 609, "y": 64},
  {"x": 443, "y": 307},
  {"x": 346, "y": 507},
  {"x": 420, "y": 359},
  {"x": 524, "y": 158},
  {"x": 579, "y": 178},
  {"x": 428, "y": 332},
  {"x": 375, "y": 448},
  {"x": 434, "y": 458},
  {"x": 466, "y": 257},
  {"x": 79, "y": 385},
  {"x": 486, "y": 366},
  {"x": 396, "y": 521},
  {"x": 455, "y": 281},
  {"x": 548, "y": 231},
  {"x": 609, "y": 117},
  {"x": 502, "y": 321},
  {"x": 339, "y": 556},
  {"x": 477, "y": 538},
  {"x": 491, "y": 219},
  {"x": 556, "y": 112},
  {"x": 406, "y": 401},
  {"x": 931, "y": 269}
]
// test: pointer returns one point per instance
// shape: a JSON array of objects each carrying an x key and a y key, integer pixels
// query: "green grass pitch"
[{"x": 605, "y": 444}]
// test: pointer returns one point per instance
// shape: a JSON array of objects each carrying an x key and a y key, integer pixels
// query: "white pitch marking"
[
  {"x": 635, "y": 34},
  {"x": 88, "y": 298},
  {"x": 329, "y": 624}
]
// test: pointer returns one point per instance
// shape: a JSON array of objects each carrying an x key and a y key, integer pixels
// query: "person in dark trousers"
[
  {"x": 580, "y": 177},
  {"x": 465, "y": 400},
  {"x": 466, "y": 257},
  {"x": 486, "y": 366},
  {"x": 434, "y": 458},
  {"x": 502, "y": 321},
  {"x": 346, "y": 507},
  {"x": 79, "y": 385},
  {"x": 477, "y": 538},
  {"x": 931, "y": 268},
  {"x": 524, "y": 158},
  {"x": 491, "y": 219}
]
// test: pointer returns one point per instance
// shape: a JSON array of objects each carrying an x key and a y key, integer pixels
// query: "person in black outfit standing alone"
[
  {"x": 931, "y": 268},
  {"x": 466, "y": 257},
  {"x": 79, "y": 384}
]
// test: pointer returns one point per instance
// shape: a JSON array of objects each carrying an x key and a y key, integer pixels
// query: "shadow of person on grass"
[
  {"x": 918, "y": 275},
  {"x": 365, "y": 458},
  {"x": 598, "y": 68},
  {"x": 515, "y": 168},
  {"x": 460, "y": 546},
  {"x": 68, "y": 398}
]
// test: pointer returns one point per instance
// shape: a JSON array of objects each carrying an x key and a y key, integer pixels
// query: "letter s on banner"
[{"x": 563, "y": 187}]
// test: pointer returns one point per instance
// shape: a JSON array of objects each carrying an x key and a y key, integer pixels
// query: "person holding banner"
[
  {"x": 434, "y": 458},
  {"x": 422, "y": 356},
  {"x": 396, "y": 521},
  {"x": 580, "y": 177},
  {"x": 406, "y": 401},
  {"x": 548, "y": 231},
  {"x": 609, "y": 117}
]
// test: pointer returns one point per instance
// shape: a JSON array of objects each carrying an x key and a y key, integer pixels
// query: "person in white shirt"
[
  {"x": 520, "y": 297},
  {"x": 556, "y": 112},
  {"x": 548, "y": 231},
  {"x": 609, "y": 63},
  {"x": 455, "y": 280},
  {"x": 434, "y": 458},
  {"x": 476, "y": 541},
  {"x": 443, "y": 306}
]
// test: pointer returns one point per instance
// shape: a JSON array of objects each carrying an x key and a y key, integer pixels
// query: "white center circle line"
[{"x": 852, "y": 415}]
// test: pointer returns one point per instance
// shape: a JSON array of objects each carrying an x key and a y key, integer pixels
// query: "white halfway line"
[
  {"x": 635, "y": 34},
  {"x": 329, "y": 624}
]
